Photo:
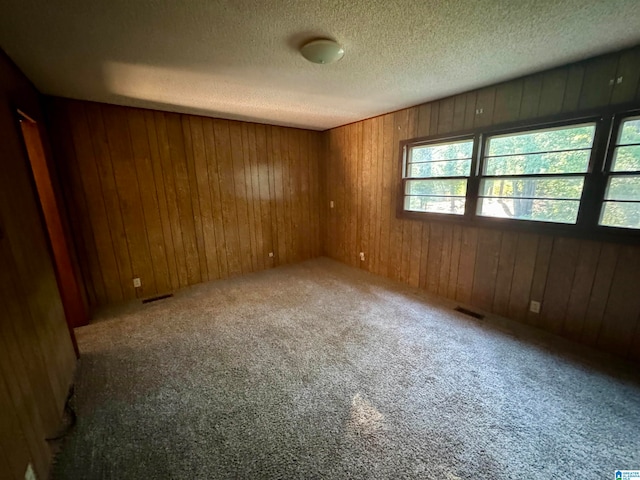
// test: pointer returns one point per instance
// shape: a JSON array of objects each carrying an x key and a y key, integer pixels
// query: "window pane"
[
  {"x": 558, "y": 211},
  {"x": 630, "y": 131},
  {"x": 437, "y": 187},
  {"x": 448, "y": 151},
  {"x": 453, "y": 205},
  {"x": 556, "y": 187},
  {"x": 539, "y": 163},
  {"x": 561, "y": 138},
  {"x": 451, "y": 168},
  {"x": 625, "y": 215},
  {"x": 626, "y": 159},
  {"x": 624, "y": 188}
]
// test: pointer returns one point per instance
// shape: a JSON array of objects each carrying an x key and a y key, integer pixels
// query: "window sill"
[{"x": 603, "y": 234}]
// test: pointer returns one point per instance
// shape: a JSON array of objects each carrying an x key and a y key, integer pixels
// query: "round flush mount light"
[{"x": 322, "y": 51}]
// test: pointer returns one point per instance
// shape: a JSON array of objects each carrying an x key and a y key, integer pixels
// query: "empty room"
[{"x": 319, "y": 240}]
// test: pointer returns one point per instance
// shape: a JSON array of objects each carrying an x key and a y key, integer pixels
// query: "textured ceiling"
[{"x": 238, "y": 59}]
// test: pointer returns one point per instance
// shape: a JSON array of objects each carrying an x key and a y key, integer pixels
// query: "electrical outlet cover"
[{"x": 30, "y": 474}]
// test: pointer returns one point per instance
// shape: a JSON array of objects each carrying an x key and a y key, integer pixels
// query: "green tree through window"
[
  {"x": 552, "y": 174},
  {"x": 621, "y": 207},
  {"x": 438, "y": 174},
  {"x": 536, "y": 175}
]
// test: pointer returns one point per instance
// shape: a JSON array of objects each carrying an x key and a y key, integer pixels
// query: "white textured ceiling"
[{"x": 238, "y": 59}]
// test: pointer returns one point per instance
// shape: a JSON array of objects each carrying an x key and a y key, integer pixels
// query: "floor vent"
[
  {"x": 155, "y": 299},
  {"x": 471, "y": 313}
]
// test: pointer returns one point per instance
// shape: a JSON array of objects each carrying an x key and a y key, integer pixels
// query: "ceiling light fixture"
[{"x": 322, "y": 51}]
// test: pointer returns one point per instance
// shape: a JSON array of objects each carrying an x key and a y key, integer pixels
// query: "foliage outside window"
[
  {"x": 536, "y": 175},
  {"x": 437, "y": 177},
  {"x": 621, "y": 206},
  {"x": 582, "y": 176}
]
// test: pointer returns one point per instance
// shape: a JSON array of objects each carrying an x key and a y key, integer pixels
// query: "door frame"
[{"x": 59, "y": 243}]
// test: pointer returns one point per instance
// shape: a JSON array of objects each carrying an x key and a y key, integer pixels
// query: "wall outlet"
[
  {"x": 535, "y": 306},
  {"x": 271, "y": 254},
  {"x": 331, "y": 204},
  {"x": 362, "y": 256},
  {"x": 137, "y": 283},
  {"x": 30, "y": 474}
]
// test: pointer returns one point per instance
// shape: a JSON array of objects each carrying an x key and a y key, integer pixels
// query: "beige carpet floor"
[{"x": 318, "y": 370}]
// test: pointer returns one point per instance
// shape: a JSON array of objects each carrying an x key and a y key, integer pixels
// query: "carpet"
[{"x": 318, "y": 370}]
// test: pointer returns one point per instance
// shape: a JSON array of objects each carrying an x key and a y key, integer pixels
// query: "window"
[
  {"x": 621, "y": 206},
  {"x": 536, "y": 175},
  {"x": 566, "y": 175},
  {"x": 435, "y": 176}
]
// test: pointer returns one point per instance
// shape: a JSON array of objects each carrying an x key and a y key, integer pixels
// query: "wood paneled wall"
[
  {"x": 589, "y": 290},
  {"x": 36, "y": 355},
  {"x": 180, "y": 199}
]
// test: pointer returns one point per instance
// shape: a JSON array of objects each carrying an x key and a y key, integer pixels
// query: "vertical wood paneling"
[
  {"x": 573, "y": 89},
  {"x": 532, "y": 89},
  {"x": 424, "y": 120},
  {"x": 13, "y": 437},
  {"x": 278, "y": 160},
  {"x": 486, "y": 271},
  {"x": 435, "y": 116},
  {"x": 552, "y": 92},
  {"x": 169, "y": 185},
  {"x": 416, "y": 253},
  {"x": 394, "y": 258},
  {"x": 486, "y": 103},
  {"x": 387, "y": 188},
  {"x": 582, "y": 286},
  {"x": 523, "y": 271},
  {"x": 540, "y": 273},
  {"x": 367, "y": 200},
  {"x": 445, "y": 115},
  {"x": 628, "y": 74},
  {"x": 600, "y": 293},
  {"x": 149, "y": 199},
  {"x": 599, "y": 77},
  {"x": 560, "y": 274},
  {"x": 179, "y": 199},
  {"x": 436, "y": 232},
  {"x": 77, "y": 210},
  {"x": 208, "y": 251},
  {"x": 467, "y": 265},
  {"x": 162, "y": 203},
  {"x": 470, "y": 110},
  {"x": 456, "y": 248},
  {"x": 184, "y": 205},
  {"x": 196, "y": 208},
  {"x": 376, "y": 152},
  {"x": 507, "y": 103},
  {"x": 504, "y": 276},
  {"x": 459, "y": 110},
  {"x": 424, "y": 255},
  {"x": 240, "y": 197},
  {"x": 36, "y": 355},
  {"x": 354, "y": 132},
  {"x": 623, "y": 306},
  {"x": 445, "y": 260},
  {"x": 581, "y": 289},
  {"x": 94, "y": 180},
  {"x": 262, "y": 195}
]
